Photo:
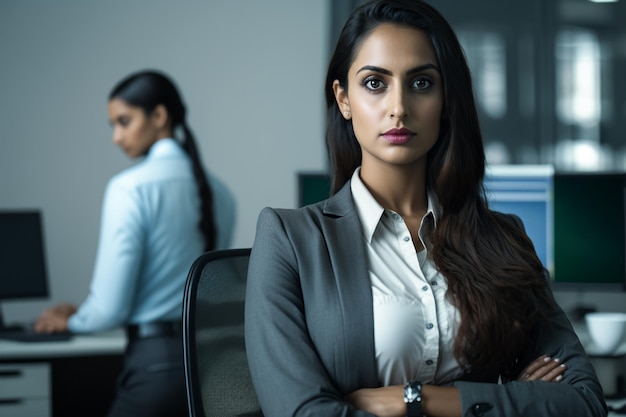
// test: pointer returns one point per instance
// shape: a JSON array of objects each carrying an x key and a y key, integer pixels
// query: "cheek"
[
  {"x": 432, "y": 113},
  {"x": 138, "y": 133},
  {"x": 367, "y": 105},
  {"x": 362, "y": 126},
  {"x": 365, "y": 116}
]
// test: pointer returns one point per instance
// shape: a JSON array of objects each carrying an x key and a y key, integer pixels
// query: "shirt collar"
[
  {"x": 166, "y": 147},
  {"x": 370, "y": 211}
]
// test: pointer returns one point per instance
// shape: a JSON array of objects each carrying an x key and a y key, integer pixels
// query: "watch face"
[
  {"x": 410, "y": 393},
  {"x": 413, "y": 399}
]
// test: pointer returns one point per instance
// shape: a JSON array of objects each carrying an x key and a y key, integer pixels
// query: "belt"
[{"x": 153, "y": 329}]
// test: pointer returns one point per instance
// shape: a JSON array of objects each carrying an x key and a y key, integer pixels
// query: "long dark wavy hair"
[
  {"x": 147, "y": 90},
  {"x": 494, "y": 276}
]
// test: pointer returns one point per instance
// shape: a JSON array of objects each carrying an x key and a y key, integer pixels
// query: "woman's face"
[
  {"x": 133, "y": 130},
  {"x": 395, "y": 96}
]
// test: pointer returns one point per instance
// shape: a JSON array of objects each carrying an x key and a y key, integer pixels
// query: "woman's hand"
[
  {"x": 383, "y": 402},
  {"x": 54, "y": 320},
  {"x": 543, "y": 368}
]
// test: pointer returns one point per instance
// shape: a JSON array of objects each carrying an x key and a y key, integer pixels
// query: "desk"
[
  {"x": 611, "y": 369},
  {"x": 616, "y": 403},
  {"x": 66, "y": 378}
]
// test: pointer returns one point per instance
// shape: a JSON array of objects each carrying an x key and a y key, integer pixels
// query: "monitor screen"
[
  {"x": 525, "y": 190},
  {"x": 312, "y": 187},
  {"x": 22, "y": 260},
  {"x": 590, "y": 231}
]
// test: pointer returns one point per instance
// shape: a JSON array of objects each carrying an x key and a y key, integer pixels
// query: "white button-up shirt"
[{"x": 414, "y": 324}]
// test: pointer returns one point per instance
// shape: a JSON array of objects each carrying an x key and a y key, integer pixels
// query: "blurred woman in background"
[{"x": 157, "y": 218}]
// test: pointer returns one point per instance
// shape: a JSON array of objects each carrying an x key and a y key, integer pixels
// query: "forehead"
[
  {"x": 119, "y": 106},
  {"x": 390, "y": 45}
]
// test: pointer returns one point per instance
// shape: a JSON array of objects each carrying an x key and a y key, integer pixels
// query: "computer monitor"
[
  {"x": 590, "y": 231},
  {"x": 312, "y": 187},
  {"x": 23, "y": 272},
  {"x": 527, "y": 191}
]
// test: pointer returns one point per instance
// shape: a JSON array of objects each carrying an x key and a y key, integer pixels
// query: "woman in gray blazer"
[{"x": 403, "y": 294}]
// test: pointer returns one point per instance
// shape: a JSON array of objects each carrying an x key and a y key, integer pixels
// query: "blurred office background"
[
  {"x": 548, "y": 78},
  {"x": 548, "y": 82}
]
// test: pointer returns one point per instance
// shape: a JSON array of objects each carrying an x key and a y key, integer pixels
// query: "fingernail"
[
  {"x": 557, "y": 360},
  {"x": 558, "y": 378},
  {"x": 563, "y": 365},
  {"x": 547, "y": 359}
]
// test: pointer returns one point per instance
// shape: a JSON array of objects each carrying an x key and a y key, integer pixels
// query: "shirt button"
[
  {"x": 481, "y": 409},
  {"x": 425, "y": 288},
  {"x": 429, "y": 326},
  {"x": 433, "y": 282},
  {"x": 429, "y": 362},
  {"x": 406, "y": 238}
]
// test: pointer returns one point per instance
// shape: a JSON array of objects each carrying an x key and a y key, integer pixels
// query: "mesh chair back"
[{"x": 216, "y": 367}]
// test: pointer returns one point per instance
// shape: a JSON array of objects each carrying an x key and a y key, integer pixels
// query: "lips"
[{"x": 398, "y": 136}]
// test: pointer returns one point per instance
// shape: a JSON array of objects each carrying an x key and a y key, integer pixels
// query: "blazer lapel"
[{"x": 348, "y": 255}]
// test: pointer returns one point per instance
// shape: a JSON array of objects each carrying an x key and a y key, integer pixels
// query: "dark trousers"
[{"x": 152, "y": 381}]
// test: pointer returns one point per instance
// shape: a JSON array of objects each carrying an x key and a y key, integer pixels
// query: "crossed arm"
[{"x": 442, "y": 401}]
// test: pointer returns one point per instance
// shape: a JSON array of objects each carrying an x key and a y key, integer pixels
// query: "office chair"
[{"x": 216, "y": 368}]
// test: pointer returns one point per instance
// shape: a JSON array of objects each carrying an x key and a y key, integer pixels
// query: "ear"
[
  {"x": 341, "y": 96},
  {"x": 160, "y": 116}
]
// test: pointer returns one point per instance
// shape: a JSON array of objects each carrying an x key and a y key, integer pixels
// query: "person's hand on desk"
[{"x": 54, "y": 320}]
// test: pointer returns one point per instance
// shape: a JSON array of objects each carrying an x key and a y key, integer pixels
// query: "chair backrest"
[{"x": 216, "y": 368}]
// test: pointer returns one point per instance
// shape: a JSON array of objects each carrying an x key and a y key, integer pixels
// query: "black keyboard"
[{"x": 28, "y": 335}]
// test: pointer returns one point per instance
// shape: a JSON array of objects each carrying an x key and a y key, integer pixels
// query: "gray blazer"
[{"x": 310, "y": 333}]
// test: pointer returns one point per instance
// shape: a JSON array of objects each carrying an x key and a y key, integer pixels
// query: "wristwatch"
[{"x": 413, "y": 399}]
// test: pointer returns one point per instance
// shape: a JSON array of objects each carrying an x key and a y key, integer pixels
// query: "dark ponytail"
[
  {"x": 207, "y": 223},
  {"x": 147, "y": 90}
]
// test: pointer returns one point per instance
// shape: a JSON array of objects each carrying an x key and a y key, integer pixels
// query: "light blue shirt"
[{"x": 149, "y": 238}]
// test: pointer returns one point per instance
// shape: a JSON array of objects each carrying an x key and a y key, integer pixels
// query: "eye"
[
  {"x": 123, "y": 121},
  {"x": 373, "y": 83},
  {"x": 422, "y": 84}
]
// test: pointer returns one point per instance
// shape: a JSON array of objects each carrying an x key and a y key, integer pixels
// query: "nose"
[
  {"x": 116, "y": 136},
  {"x": 397, "y": 107}
]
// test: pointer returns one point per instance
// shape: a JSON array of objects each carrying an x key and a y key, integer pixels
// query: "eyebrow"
[{"x": 409, "y": 72}]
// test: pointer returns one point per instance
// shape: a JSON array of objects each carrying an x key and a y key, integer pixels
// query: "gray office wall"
[{"x": 251, "y": 73}]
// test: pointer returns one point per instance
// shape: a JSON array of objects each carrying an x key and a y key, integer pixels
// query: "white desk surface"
[
  {"x": 616, "y": 403},
  {"x": 583, "y": 335},
  {"x": 105, "y": 343}
]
